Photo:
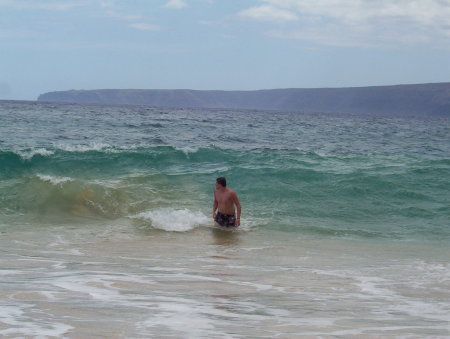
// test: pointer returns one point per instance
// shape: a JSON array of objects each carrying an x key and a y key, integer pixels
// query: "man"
[{"x": 225, "y": 200}]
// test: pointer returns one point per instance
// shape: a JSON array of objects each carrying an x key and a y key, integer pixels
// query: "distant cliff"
[{"x": 421, "y": 99}]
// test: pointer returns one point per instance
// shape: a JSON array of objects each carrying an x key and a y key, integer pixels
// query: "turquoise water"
[
  {"x": 309, "y": 174},
  {"x": 105, "y": 214}
]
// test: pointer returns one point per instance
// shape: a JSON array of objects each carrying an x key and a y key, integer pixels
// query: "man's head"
[{"x": 221, "y": 182}]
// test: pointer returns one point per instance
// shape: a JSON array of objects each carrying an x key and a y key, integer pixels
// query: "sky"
[{"x": 53, "y": 45}]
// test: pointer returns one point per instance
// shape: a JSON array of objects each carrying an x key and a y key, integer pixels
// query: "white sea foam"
[
  {"x": 169, "y": 219},
  {"x": 55, "y": 180},
  {"x": 98, "y": 287},
  {"x": 249, "y": 222},
  {"x": 195, "y": 319},
  {"x": 93, "y": 146},
  {"x": 97, "y": 146},
  {"x": 382, "y": 290},
  {"x": 28, "y": 154},
  {"x": 373, "y": 286},
  {"x": 187, "y": 150},
  {"x": 184, "y": 316},
  {"x": 21, "y": 323}
]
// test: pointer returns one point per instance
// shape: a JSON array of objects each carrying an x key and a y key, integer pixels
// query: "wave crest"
[
  {"x": 48, "y": 194},
  {"x": 55, "y": 180}
]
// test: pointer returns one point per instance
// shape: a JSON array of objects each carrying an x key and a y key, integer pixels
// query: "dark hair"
[{"x": 222, "y": 181}]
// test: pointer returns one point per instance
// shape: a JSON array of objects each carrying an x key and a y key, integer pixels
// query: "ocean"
[{"x": 106, "y": 227}]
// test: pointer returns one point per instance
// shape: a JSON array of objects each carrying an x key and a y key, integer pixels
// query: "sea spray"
[{"x": 168, "y": 219}]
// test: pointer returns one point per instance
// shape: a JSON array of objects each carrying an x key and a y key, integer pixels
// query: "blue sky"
[{"x": 53, "y": 45}]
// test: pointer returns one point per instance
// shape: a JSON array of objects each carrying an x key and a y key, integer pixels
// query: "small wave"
[
  {"x": 154, "y": 125},
  {"x": 93, "y": 146},
  {"x": 346, "y": 233},
  {"x": 29, "y": 154},
  {"x": 173, "y": 220},
  {"x": 57, "y": 195},
  {"x": 104, "y": 147},
  {"x": 187, "y": 150},
  {"x": 53, "y": 179}
]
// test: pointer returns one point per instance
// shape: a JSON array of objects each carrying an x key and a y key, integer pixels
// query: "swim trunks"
[{"x": 226, "y": 220}]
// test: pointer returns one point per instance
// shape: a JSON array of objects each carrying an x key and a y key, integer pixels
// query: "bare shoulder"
[{"x": 232, "y": 193}]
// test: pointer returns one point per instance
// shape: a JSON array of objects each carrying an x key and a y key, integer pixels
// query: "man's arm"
[
  {"x": 238, "y": 208},
  {"x": 215, "y": 205}
]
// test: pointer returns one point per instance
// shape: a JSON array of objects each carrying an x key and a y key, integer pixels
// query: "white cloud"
[
  {"x": 106, "y": 4},
  {"x": 42, "y": 5},
  {"x": 176, "y": 4},
  {"x": 145, "y": 27},
  {"x": 111, "y": 10},
  {"x": 268, "y": 13},
  {"x": 357, "y": 22}
]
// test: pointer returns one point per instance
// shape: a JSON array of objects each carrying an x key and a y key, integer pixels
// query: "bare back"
[{"x": 226, "y": 199}]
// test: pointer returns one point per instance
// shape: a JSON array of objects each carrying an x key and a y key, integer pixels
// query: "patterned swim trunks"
[{"x": 227, "y": 220}]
